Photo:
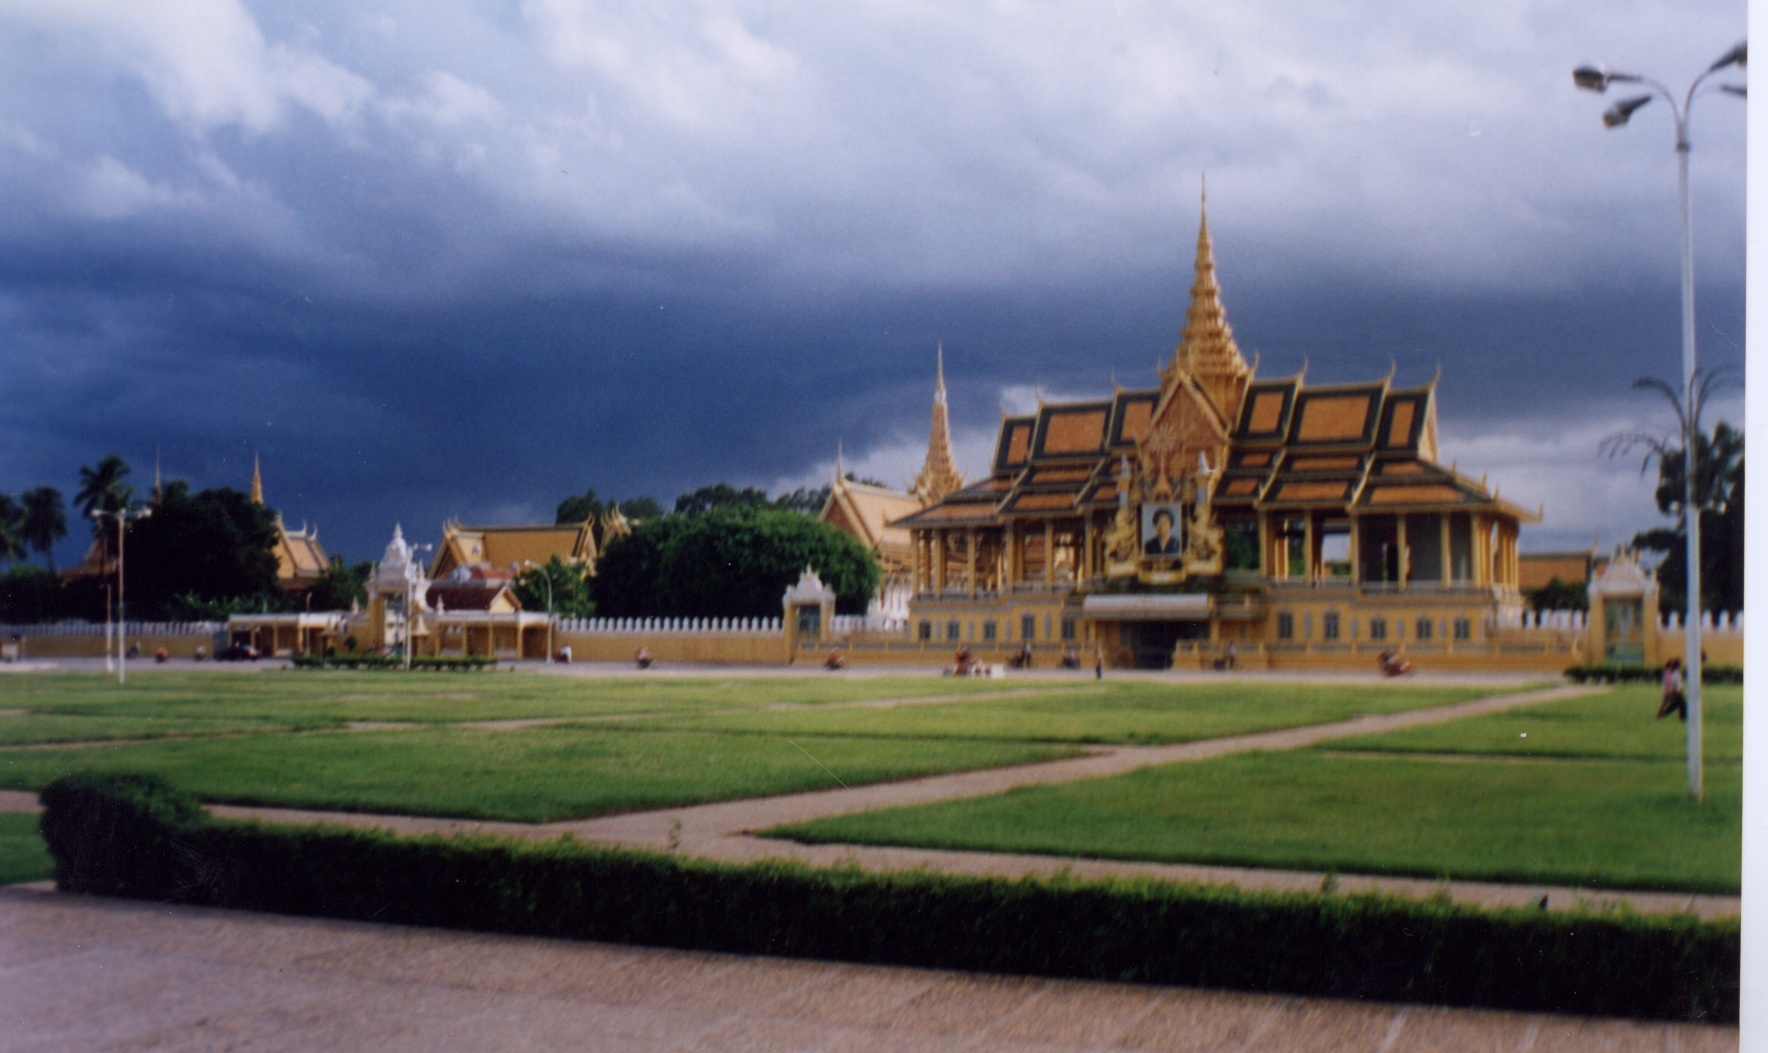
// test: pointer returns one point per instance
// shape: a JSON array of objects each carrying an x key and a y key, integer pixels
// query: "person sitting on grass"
[{"x": 1674, "y": 700}]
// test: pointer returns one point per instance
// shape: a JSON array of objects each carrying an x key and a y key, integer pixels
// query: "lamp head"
[
  {"x": 1620, "y": 112},
  {"x": 1590, "y": 78},
  {"x": 1737, "y": 56}
]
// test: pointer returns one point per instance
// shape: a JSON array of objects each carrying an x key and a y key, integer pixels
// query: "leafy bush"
[
  {"x": 1628, "y": 673},
  {"x": 1614, "y": 963},
  {"x": 430, "y": 663}
]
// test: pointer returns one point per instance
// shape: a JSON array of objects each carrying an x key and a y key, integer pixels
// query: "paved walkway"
[{"x": 107, "y": 975}]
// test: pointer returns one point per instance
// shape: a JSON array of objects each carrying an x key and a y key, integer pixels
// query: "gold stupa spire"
[
  {"x": 257, "y": 482},
  {"x": 1207, "y": 351},
  {"x": 939, "y": 476}
]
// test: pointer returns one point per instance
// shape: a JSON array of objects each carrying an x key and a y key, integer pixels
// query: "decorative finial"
[
  {"x": 257, "y": 481},
  {"x": 1438, "y": 375},
  {"x": 839, "y": 467},
  {"x": 939, "y": 374},
  {"x": 1393, "y": 364}
]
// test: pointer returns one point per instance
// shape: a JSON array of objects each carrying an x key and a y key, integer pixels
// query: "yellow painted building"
[{"x": 1220, "y": 509}]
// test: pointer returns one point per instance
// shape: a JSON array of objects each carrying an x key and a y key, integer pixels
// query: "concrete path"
[{"x": 106, "y": 976}]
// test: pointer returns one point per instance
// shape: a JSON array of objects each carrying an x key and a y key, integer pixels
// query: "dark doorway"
[{"x": 1153, "y": 642}]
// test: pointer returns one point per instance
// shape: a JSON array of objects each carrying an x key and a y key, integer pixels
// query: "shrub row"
[
  {"x": 466, "y": 663},
  {"x": 138, "y": 836},
  {"x": 1635, "y": 672}
]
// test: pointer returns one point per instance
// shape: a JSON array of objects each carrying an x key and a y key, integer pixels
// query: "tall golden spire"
[
  {"x": 257, "y": 482},
  {"x": 939, "y": 476},
  {"x": 1207, "y": 351}
]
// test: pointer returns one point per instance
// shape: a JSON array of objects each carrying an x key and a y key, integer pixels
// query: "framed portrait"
[{"x": 1163, "y": 531}]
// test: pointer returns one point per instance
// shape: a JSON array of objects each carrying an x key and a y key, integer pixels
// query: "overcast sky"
[{"x": 437, "y": 258}]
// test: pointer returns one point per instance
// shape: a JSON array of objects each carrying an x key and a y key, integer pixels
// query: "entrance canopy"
[{"x": 1166, "y": 606}]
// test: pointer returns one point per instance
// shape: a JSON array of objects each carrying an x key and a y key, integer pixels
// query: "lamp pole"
[
  {"x": 122, "y": 516},
  {"x": 1597, "y": 79},
  {"x": 544, "y": 576}
]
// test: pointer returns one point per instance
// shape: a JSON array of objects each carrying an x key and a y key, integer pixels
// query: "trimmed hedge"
[
  {"x": 127, "y": 835},
  {"x": 455, "y": 663},
  {"x": 1632, "y": 673}
]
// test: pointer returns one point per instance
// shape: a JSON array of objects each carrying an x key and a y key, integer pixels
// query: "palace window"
[
  {"x": 926, "y": 630},
  {"x": 1028, "y": 627},
  {"x": 988, "y": 629},
  {"x": 1378, "y": 628},
  {"x": 1068, "y": 628},
  {"x": 1463, "y": 629},
  {"x": 1423, "y": 629},
  {"x": 1285, "y": 626},
  {"x": 951, "y": 630},
  {"x": 1329, "y": 625}
]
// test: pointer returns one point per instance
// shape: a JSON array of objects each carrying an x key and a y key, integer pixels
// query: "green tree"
[
  {"x": 102, "y": 489},
  {"x": 342, "y": 587},
  {"x": 1559, "y": 595},
  {"x": 637, "y": 508},
  {"x": 579, "y": 507},
  {"x": 1718, "y": 493},
  {"x": 12, "y": 530},
  {"x": 720, "y": 495},
  {"x": 729, "y": 562},
  {"x": 626, "y": 572},
  {"x": 570, "y": 594},
  {"x": 216, "y": 546},
  {"x": 45, "y": 521}
]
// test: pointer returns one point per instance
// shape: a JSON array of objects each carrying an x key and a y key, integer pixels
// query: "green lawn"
[
  {"x": 1618, "y": 724},
  {"x": 89, "y": 707},
  {"x": 535, "y": 774},
  {"x": 1106, "y": 713},
  {"x": 23, "y": 856},
  {"x": 1592, "y": 823}
]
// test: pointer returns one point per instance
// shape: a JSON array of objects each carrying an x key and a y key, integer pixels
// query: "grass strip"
[
  {"x": 1617, "y": 724},
  {"x": 1117, "y": 713},
  {"x": 526, "y": 775},
  {"x": 1619, "y": 825},
  {"x": 23, "y": 855},
  {"x": 139, "y": 837}
]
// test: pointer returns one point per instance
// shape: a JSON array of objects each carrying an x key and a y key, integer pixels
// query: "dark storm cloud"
[{"x": 439, "y": 259}]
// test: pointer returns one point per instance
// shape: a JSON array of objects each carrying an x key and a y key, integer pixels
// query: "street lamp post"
[
  {"x": 122, "y": 516},
  {"x": 1597, "y": 79}
]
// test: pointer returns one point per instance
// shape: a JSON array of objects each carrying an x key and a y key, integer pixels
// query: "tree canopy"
[
  {"x": 728, "y": 562},
  {"x": 570, "y": 593},
  {"x": 1719, "y": 492},
  {"x": 216, "y": 545}
]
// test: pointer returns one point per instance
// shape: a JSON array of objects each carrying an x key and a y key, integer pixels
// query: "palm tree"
[
  {"x": 45, "y": 521},
  {"x": 12, "y": 518},
  {"x": 1718, "y": 495},
  {"x": 102, "y": 489}
]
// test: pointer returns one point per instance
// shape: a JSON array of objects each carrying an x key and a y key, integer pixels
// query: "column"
[
  {"x": 1356, "y": 551},
  {"x": 1400, "y": 544},
  {"x": 970, "y": 560},
  {"x": 1049, "y": 552},
  {"x": 1307, "y": 546},
  {"x": 1088, "y": 558},
  {"x": 1264, "y": 545},
  {"x": 939, "y": 561},
  {"x": 1448, "y": 556}
]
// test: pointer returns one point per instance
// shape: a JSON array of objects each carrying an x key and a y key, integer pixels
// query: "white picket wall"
[
  {"x": 129, "y": 629},
  {"x": 866, "y": 623},
  {"x": 1709, "y": 623},
  {"x": 671, "y": 626}
]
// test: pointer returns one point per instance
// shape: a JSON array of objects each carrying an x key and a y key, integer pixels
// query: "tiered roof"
[
  {"x": 501, "y": 546},
  {"x": 1361, "y": 447}
]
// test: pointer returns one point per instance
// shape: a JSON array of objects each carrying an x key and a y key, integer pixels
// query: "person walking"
[
  {"x": 1098, "y": 663},
  {"x": 1674, "y": 700}
]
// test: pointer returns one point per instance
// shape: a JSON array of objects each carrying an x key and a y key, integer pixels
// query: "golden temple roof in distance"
[
  {"x": 1207, "y": 351},
  {"x": 939, "y": 475}
]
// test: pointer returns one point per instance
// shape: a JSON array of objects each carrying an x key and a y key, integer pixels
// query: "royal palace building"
[{"x": 1219, "y": 512}]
